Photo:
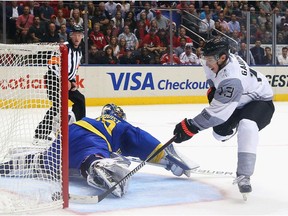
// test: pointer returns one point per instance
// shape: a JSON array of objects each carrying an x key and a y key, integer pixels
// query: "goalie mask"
[{"x": 112, "y": 109}]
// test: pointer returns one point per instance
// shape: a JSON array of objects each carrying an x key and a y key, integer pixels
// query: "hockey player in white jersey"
[{"x": 240, "y": 101}]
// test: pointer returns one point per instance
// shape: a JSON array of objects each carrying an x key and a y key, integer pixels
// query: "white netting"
[{"x": 29, "y": 176}]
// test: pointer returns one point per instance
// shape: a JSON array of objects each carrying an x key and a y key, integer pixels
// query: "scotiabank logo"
[
  {"x": 27, "y": 82},
  {"x": 22, "y": 83}
]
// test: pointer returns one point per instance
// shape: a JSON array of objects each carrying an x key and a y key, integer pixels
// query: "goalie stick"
[{"x": 98, "y": 198}]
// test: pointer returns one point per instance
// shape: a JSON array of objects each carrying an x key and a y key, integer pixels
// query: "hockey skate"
[
  {"x": 105, "y": 173},
  {"x": 177, "y": 163},
  {"x": 243, "y": 185}
]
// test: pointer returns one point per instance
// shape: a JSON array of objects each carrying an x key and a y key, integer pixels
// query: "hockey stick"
[
  {"x": 195, "y": 171},
  {"x": 98, "y": 198}
]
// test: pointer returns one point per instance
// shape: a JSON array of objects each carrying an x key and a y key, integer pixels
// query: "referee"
[{"x": 52, "y": 83}]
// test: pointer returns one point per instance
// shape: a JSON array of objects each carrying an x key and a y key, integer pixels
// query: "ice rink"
[{"x": 156, "y": 191}]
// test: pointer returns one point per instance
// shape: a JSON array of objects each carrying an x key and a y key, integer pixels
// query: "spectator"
[
  {"x": 253, "y": 30},
  {"x": 52, "y": 20},
  {"x": 281, "y": 39},
  {"x": 131, "y": 40},
  {"x": 206, "y": 26},
  {"x": 23, "y": 23},
  {"x": 266, "y": 6},
  {"x": 91, "y": 11},
  {"x": 63, "y": 33},
  {"x": 180, "y": 49},
  {"x": 234, "y": 24},
  {"x": 51, "y": 36},
  {"x": 145, "y": 57},
  {"x": 140, "y": 31},
  {"x": 102, "y": 16},
  {"x": 283, "y": 59},
  {"x": 147, "y": 11},
  {"x": 76, "y": 5},
  {"x": 188, "y": 57},
  {"x": 64, "y": 8},
  {"x": 95, "y": 55},
  {"x": 97, "y": 38},
  {"x": 130, "y": 15},
  {"x": 182, "y": 33},
  {"x": 153, "y": 25},
  {"x": 108, "y": 33},
  {"x": 258, "y": 53},
  {"x": 216, "y": 14},
  {"x": 151, "y": 41},
  {"x": 267, "y": 39},
  {"x": 118, "y": 24},
  {"x": 13, "y": 11},
  {"x": 34, "y": 8},
  {"x": 206, "y": 11},
  {"x": 113, "y": 43},
  {"x": 77, "y": 17},
  {"x": 46, "y": 11},
  {"x": 235, "y": 37},
  {"x": 162, "y": 21},
  {"x": 110, "y": 7},
  {"x": 143, "y": 17},
  {"x": 191, "y": 20},
  {"x": 70, "y": 24},
  {"x": 166, "y": 60},
  {"x": 127, "y": 58},
  {"x": 36, "y": 31},
  {"x": 223, "y": 23},
  {"x": 278, "y": 17},
  {"x": 243, "y": 54},
  {"x": 122, "y": 47},
  {"x": 253, "y": 15},
  {"x": 60, "y": 20},
  {"x": 268, "y": 58},
  {"x": 163, "y": 37},
  {"x": 228, "y": 10},
  {"x": 262, "y": 17},
  {"x": 119, "y": 8},
  {"x": 108, "y": 57},
  {"x": 199, "y": 55}
]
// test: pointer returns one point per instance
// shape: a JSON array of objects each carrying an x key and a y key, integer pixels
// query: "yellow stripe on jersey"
[
  {"x": 159, "y": 156},
  {"x": 89, "y": 127}
]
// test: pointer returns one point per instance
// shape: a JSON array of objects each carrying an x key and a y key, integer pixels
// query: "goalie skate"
[
  {"x": 243, "y": 185},
  {"x": 177, "y": 163}
]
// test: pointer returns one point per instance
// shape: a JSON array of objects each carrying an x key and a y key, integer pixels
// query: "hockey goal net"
[{"x": 30, "y": 181}]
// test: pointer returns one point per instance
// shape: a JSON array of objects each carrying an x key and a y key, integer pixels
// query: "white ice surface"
[{"x": 270, "y": 180}]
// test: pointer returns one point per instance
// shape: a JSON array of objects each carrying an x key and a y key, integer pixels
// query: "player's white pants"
[{"x": 248, "y": 139}]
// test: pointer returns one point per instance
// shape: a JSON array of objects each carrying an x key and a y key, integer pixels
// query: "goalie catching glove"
[{"x": 185, "y": 130}]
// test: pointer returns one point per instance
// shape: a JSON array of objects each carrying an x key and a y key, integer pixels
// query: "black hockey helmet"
[
  {"x": 77, "y": 28},
  {"x": 112, "y": 109},
  {"x": 216, "y": 47}
]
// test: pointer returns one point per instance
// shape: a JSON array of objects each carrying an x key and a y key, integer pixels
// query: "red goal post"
[{"x": 27, "y": 184}]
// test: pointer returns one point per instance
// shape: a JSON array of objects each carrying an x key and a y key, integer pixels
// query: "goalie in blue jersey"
[{"x": 97, "y": 148}]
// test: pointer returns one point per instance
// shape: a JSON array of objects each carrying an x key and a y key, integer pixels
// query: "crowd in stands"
[{"x": 138, "y": 32}]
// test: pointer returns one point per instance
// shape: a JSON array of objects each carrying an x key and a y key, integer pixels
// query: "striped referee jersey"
[{"x": 74, "y": 60}]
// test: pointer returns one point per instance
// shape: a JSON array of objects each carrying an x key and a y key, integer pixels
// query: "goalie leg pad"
[
  {"x": 105, "y": 173},
  {"x": 177, "y": 163}
]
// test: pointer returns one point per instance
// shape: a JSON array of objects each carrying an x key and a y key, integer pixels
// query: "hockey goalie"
[{"x": 98, "y": 149}]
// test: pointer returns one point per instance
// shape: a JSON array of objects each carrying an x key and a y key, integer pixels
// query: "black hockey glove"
[
  {"x": 185, "y": 130},
  {"x": 210, "y": 93}
]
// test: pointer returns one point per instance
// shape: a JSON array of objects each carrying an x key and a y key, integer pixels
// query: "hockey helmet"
[
  {"x": 217, "y": 46},
  {"x": 77, "y": 28},
  {"x": 112, "y": 109}
]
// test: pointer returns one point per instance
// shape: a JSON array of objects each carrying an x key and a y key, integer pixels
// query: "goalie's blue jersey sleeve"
[{"x": 107, "y": 134}]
